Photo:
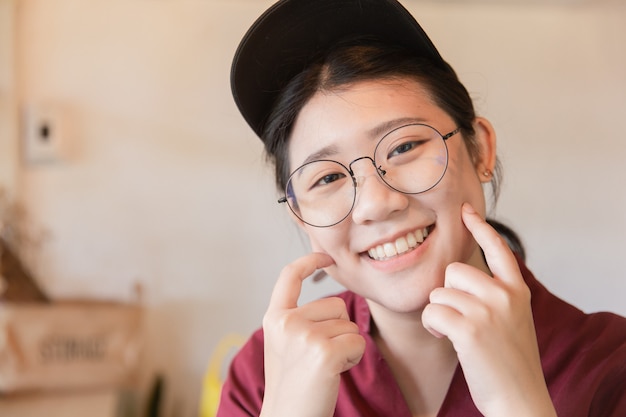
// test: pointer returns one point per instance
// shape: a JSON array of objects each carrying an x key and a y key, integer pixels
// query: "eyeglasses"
[{"x": 410, "y": 159}]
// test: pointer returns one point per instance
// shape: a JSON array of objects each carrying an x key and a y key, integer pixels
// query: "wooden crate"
[{"x": 68, "y": 345}]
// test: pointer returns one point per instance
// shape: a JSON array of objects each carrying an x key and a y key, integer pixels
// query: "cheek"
[
  {"x": 461, "y": 183},
  {"x": 327, "y": 240},
  {"x": 348, "y": 270},
  {"x": 335, "y": 242}
]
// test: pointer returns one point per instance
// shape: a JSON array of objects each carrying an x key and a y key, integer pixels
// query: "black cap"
[{"x": 284, "y": 40}]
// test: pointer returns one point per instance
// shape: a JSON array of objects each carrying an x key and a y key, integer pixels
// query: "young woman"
[{"x": 382, "y": 161}]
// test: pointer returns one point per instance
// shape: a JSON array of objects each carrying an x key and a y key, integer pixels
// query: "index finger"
[
  {"x": 289, "y": 284},
  {"x": 499, "y": 256}
]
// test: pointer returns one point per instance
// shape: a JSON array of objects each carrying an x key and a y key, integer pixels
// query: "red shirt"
[{"x": 583, "y": 358}]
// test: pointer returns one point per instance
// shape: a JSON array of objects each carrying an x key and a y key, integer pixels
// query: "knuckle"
[
  {"x": 453, "y": 267},
  {"x": 282, "y": 323},
  {"x": 321, "y": 348},
  {"x": 336, "y": 304},
  {"x": 268, "y": 319},
  {"x": 436, "y": 294},
  {"x": 472, "y": 335},
  {"x": 353, "y": 328},
  {"x": 511, "y": 297},
  {"x": 502, "y": 297},
  {"x": 288, "y": 270},
  {"x": 427, "y": 313},
  {"x": 429, "y": 309},
  {"x": 482, "y": 314},
  {"x": 500, "y": 243},
  {"x": 311, "y": 338}
]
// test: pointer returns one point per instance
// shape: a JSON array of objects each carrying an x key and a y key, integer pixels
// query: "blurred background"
[{"x": 120, "y": 142}]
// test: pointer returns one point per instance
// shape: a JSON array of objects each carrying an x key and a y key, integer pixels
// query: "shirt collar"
[{"x": 362, "y": 315}]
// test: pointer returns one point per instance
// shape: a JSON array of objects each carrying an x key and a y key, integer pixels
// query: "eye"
[
  {"x": 329, "y": 178},
  {"x": 319, "y": 176},
  {"x": 405, "y": 147}
]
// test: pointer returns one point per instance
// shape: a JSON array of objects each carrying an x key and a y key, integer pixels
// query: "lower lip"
[{"x": 403, "y": 261}]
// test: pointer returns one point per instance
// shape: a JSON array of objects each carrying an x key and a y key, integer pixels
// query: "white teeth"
[
  {"x": 401, "y": 245},
  {"x": 419, "y": 235},
  {"x": 390, "y": 249},
  {"x": 412, "y": 240}
]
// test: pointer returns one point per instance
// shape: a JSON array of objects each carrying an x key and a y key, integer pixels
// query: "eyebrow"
[
  {"x": 375, "y": 133},
  {"x": 323, "y": 153},
  {"x": 382, "y": 129}
]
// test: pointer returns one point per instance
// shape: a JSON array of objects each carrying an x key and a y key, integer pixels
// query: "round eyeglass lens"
[
  {"x": 412, "y": 159},
  {"x": 321, "y": 193}
]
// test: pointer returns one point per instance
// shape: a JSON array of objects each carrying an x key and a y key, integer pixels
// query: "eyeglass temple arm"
[{"x": 449, "y": 135}]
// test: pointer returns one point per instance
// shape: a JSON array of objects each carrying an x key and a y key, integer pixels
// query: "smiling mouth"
[{"x": 401, "y": 245}]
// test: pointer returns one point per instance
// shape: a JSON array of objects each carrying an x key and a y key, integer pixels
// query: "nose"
[{"x": 375, "y": 200}]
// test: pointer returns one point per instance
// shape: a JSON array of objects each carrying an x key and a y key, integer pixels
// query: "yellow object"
[{"x": 212, "y": 383}]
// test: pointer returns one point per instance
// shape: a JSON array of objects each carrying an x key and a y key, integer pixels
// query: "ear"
[
  {"x": 303, "y": 228},
  {"x": 485, "y": 161},
  {"x": 295, "y": 218}
]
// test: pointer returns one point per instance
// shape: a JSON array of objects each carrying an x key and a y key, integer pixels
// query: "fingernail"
[{"x": 467, "y": 207}]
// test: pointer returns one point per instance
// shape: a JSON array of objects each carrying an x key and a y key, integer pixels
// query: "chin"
[
  {"x": 401, "y": 300},
  {"x": 405, "y": 305}
]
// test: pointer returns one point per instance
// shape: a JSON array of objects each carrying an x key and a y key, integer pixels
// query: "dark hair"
[
  {"x": 360, "y": 60},
  {"x": 511, "y": 238}
]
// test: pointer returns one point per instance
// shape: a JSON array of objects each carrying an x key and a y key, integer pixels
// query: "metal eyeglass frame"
[{"x": 381, "y": 172}]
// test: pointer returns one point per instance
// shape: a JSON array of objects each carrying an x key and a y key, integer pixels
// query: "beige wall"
[
  {"x": 8, "y": 116},
  {"x": 163, "y": 183}
]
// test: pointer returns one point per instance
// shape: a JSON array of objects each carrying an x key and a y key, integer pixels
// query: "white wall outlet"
[{"x": 44, "y": 134}]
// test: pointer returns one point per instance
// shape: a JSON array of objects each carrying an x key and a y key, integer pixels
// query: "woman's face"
[{"x": 347, "y": 124}]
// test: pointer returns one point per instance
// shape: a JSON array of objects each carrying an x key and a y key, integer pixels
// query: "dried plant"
[{"x": 16, "y": 282}]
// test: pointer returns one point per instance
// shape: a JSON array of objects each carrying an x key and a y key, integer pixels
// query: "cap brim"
[{"x": 284, "y": 39}]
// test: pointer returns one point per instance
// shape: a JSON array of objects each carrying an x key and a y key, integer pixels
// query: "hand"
[
  {"x": 307, "y": 347},
  {"x": 489, "y": 321}
]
